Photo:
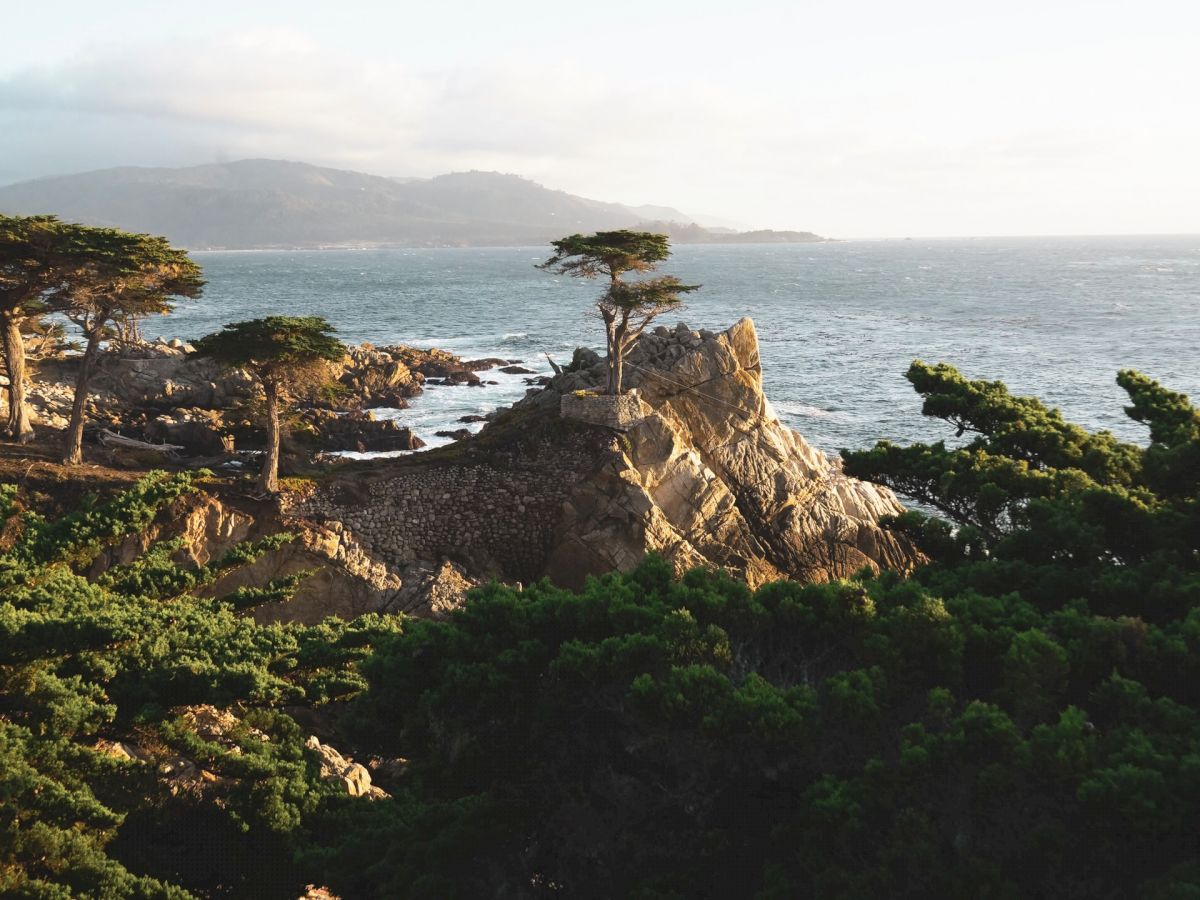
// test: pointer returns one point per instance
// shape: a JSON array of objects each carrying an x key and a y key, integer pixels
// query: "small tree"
[
  {"x": 132, "y": 275},
  {"x": 626, "y": 307},
  {"x": 284, "y": 353}
]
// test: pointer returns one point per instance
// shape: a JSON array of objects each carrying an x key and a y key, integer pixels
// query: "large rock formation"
[
  {"x": 711, "y": 477},
  {"x": 708, "y": 477}
]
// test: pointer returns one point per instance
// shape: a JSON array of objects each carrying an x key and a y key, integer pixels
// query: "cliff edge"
[
  {"x": 712, "y": 477},
  {"x": 706, "y": 476}
]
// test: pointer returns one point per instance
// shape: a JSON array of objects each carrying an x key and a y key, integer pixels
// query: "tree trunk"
[
  {"x": 73, "y": 448},
  {"x": 614, "y": 355},
  {"x": 620, "y": 345},
  {"x": 268, "y": 481},
  {"x": 18, "y": 427}
]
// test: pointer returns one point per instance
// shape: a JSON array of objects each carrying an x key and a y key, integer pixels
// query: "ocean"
[{"x": 838, "y": 322}]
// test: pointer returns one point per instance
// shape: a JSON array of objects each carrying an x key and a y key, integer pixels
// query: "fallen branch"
[{"x": 112, "y": 439}]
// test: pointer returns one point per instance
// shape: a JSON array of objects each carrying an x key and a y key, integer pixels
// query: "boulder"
[
  {"x": 482, "y": 365},
  {"x": 355, "y": 778},
  {"x": 360, "y": 431},
  {"x": 433, "y": 590},
  {"x": 201, "y": 432}
]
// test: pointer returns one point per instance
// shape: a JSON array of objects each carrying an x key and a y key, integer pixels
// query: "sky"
[{"x": 864, "y": 118}]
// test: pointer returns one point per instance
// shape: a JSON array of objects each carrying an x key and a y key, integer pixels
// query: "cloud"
[{"x": 789, "y": 145}]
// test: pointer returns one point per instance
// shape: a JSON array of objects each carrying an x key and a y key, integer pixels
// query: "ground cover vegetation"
[{"x": 1019, "y": 717}]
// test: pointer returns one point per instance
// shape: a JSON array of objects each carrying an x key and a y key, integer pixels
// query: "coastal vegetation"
[
  {"x": 135, "y": 276},
  {"x": 1015, "y": 714},
  {"x": 1017, "y": 717},
  {"x": 99, "y": 278},
  {"x": 288, "y": 356},
  {"x": 626, "y": 307}
]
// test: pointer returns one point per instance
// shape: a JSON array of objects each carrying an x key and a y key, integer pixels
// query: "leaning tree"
[
  {"x": 285, "y": 353},
  {"x": 129, "y": 276},
  {"x": 626, "y": 307}
]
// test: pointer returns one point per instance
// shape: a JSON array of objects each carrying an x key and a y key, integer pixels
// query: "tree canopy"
[
  {"x": 626, "y": 307},
  {"x": 119, "y": 656},
  {"x": 96, "y": 276},
  {"x": 274, "y": 345},
  {"x": 286, "y": 353},
  {"x": 136, "y": 275},
  {"x": 1020, "y": 717},
  {"x": 607, "y": 253}
]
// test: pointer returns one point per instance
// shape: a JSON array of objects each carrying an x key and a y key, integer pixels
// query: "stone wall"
[
  {"x": 498, "y": 519},
  {"x": 621, "y": 412}
]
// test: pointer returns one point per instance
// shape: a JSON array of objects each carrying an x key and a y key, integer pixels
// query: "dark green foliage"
[
  {"x": 275, "y": 343},
  {"x": 101, "y": 278},
  {"x": 287, "y": 354},
  {"x": 82, "y": 660},
  {"x": 607, "y": 253},
  {"x": 1019, "y": 718}
]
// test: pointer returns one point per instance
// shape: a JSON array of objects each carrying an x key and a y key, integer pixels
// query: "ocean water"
[{"x": 838, "y": 323}]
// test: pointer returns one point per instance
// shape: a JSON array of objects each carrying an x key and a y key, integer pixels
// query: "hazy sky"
[{"x": 868, "y": 118}]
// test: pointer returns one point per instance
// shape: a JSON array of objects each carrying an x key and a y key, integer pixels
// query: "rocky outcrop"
[
  {"x": 709, "y": 476},
  {"x": 343, "y": 580},
  {"x": 165, "y": 393},
  {"x": 702, "y": 472},
  {"x": 360, "y": 431},
  {"x": 354, "y": 777}
]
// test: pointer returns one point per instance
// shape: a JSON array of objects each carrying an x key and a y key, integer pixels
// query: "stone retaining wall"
[
  {"x": 497, "y": 519},
  {"x": 621, "y": 412}
]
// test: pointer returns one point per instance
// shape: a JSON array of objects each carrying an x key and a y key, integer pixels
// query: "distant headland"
[{"x": 274, "y": 204}]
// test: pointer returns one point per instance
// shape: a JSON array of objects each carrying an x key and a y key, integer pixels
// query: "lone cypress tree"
[
  {"x": 626, "y": 307},
  {"x": 283, "y": 353}
]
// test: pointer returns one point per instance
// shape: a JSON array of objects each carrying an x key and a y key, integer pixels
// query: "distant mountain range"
[{"x": 263, "y": 203}]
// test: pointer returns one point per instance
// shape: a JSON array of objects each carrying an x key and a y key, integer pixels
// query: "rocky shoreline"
[
  {"x": 705, "y": 475},
  {"x": 163, "y": 393}
]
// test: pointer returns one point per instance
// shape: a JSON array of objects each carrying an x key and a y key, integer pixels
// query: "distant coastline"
[{"x": 263, "y": 204}]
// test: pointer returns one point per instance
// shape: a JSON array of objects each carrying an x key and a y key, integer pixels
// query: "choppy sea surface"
[{"x": 838, "y": 323}]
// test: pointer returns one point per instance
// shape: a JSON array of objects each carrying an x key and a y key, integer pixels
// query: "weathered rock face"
[
  {"x": 703, "y": 473},
  {"x": 709, "y": 477},
  {"x": 346, "y": 580},
  {"x": 354, "y": 777}
]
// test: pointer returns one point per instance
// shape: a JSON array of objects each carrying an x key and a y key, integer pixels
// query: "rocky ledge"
[
  {"x": 708, "y": 477},
  {"x": 164, "y": 393}
]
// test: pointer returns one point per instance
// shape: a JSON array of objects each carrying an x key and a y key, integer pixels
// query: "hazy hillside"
[{"x": 272, "y": 203}]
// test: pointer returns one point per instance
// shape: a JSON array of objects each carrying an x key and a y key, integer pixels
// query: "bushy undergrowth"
[
  {"x": 86, "y": 660},
  {"x": 1020, "y": 717}
]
